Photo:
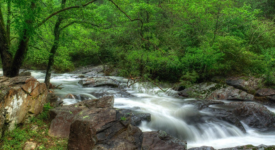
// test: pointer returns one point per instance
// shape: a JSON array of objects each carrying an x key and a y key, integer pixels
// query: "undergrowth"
[{"x": 36, "y": 131}]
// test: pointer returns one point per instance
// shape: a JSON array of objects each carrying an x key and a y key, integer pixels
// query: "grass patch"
[{"x": 36, "y": 131}]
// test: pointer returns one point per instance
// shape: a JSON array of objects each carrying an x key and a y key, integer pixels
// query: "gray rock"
[
  {"x": 136, "y": 117},
  {"x": 99, "y": 81},
  {"x": 159, "y": 140},
  {"x": 30, "y": 146},
  {"x": 254, "y": 115},
  {"x": 250, "y": 84},
  {"x": 265, "y": 92},
  {"x": 25, "y": 73}
]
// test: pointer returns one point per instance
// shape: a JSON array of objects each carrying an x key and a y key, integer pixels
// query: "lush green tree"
[{"x": 27, "y": 21}]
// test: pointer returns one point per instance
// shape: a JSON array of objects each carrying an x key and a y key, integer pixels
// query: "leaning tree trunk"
[
  {"x": 6, "y": 56},
  {"x": 54, "y": 47},
  {"x": 51, "y": 58}
]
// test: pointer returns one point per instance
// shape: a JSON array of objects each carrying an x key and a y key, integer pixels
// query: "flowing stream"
[{"x": 170, "y": 114}]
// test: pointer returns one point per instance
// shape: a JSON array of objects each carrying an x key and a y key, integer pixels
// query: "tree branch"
[
  {"x": 129, "y": 16},
  {"x": 65, "y": 9}
]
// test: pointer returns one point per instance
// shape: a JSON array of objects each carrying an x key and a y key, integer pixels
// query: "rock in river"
[
  {"x": 99, "y": 81},
  {"x": 254, "y": 115},
  {"x": 159, "y": 140}
]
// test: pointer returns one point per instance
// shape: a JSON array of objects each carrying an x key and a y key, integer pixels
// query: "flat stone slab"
[{"x": 99, "y": 81}]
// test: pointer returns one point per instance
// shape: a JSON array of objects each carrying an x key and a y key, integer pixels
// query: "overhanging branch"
[
  {"x": 129, "y": 16},
  {"x": 62, "y": 10}
]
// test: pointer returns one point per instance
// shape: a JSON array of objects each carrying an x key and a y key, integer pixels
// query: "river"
[{"x": 170, "y": 114}]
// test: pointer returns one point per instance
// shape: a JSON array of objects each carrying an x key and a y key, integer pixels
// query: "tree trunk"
[
  {"x": 54, "y": 47},
  {"x": 12, "y": 69},
  {"x": 6, "y": 56},
  {"x": 9, "y": 21},
  {"x": 20, "y": 54}
]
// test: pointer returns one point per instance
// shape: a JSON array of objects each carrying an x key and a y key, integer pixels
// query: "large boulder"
[
  {"x": 225, "y": 114},
  {"x": 230, "y": 93},
  {"x": 215, "y": 91},
  {"x": 201, "y": 90},
  {"x": 102, "y": 128},
  {"x": 99, "y": 81},
  {"x": 254, "y": 115},
  {"x": 249, "y": 84},
  {"x": 24, "y": 99},
  {"x": 63, "y": 117},
  {"x": 160, "y": 140},
  {"x": 266, "y": 94},
  {"x": 221, "y": 111}
]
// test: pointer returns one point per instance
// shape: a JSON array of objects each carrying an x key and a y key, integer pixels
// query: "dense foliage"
[{"x": 187, "y": 40}]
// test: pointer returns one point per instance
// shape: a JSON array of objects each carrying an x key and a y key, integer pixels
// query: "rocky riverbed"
[{"x": 232, "y": 113}]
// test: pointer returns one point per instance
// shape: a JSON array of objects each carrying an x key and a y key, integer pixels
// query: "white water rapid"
[{"x": 170, "y": 114}]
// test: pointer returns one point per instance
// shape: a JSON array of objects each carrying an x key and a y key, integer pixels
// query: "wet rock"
[
  {"x": 99, "y": 81},
  {"x": 215, "y": 91},
  {"x": 272, "y": 98},
  {"x": 121, "y": 92},
  {"x": 111, "y": 135},
  {"x": 178, "y": 88},
  {"x": 230, "y": 93},
  {"x": 61, "y": 120},
  {"x": 254, "y": 115},
  {"x": 103, "y": 128},
  {"x": 136, "y": 117},
  {"x": 201, "y": 104},
  {"x": 104, "y": 102},
  {"x": 201, "y": 90},
  {"x": 82, "y": 136},
  {"x": 25, "y": 73},
  {"x": 226, "y": 114},
  {"x": 70, "y": 96},
  {"x": 80, "y": 96},
  {"x": 265, "y": 92},
  {"x": 106, "y": 129},
  {"x": 81, "y": 76},
  {"x": 63, "y": 117},
  {"x": 24, "y": 99},
  {"x": 159, "y": 140},
  {"x": 30, "y": 146},
  {"x": 249, "y": 84},
  {"x": 202, "y": 148}
]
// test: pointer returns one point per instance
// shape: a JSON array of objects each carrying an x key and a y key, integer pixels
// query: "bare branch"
[
  {"x": 129, "y": 16},
  {"x": 62, "y": 10}
]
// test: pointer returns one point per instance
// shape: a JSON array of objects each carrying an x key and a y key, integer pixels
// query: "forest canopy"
[{"x": 167, "y": 40}]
